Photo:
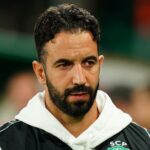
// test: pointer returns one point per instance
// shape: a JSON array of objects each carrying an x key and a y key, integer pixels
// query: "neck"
[
  {"x": 74, "y": 125},
  {"x": 78, "y": 125}
]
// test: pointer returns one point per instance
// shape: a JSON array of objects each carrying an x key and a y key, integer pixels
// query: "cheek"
[
  {"x": 93, "y": 77},
  {"x": 59, "y": 80},
  {"x": 60, "y": 77},
  {"x": 95, "y": 71}
]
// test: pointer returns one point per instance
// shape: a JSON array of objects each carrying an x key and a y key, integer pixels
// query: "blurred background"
[{"x": 125, "y": 43}]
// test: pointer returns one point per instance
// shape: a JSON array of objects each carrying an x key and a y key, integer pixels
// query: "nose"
[{"x": 78, "y": 75}]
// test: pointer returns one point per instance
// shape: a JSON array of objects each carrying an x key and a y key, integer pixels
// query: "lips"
[
  {"x": 78, "y": 93},
  {"x": 79, "y": 96}
]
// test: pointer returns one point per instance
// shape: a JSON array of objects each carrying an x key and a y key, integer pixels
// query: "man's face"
[{"x": 72, "y": 72}]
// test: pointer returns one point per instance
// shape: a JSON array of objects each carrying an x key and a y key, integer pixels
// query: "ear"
[
  {"x": 39, "y": 71},
  {"x": 101, "y": 59}
]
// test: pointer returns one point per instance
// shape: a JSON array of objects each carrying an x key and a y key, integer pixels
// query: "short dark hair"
[{"x": 64, "y": 17}]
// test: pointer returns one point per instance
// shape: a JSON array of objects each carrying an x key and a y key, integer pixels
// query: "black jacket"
[{"x": 17, "y": 135}]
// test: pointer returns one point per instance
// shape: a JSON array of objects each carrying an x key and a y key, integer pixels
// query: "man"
[{"x": 71, "y": 113}]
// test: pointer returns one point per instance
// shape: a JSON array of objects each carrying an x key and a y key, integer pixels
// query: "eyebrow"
[
  {"x": 90, "y": 57},
  {"x": 62, "y": 60}
]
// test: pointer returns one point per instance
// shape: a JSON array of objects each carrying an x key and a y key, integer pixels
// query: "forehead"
[{"x": 66, "y": 44}]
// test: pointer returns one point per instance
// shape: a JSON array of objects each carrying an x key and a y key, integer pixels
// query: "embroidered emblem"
[{"x": 117, "y": 148}]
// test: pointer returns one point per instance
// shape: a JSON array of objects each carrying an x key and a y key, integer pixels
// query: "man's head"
[
  {"x": 66, "y": 17},
  {"x": 67, "y": 40}
]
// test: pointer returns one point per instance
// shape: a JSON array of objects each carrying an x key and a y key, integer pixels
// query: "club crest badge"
[{"x": 117, "y": 148}]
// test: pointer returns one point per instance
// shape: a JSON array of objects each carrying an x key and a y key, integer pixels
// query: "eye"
[
  {"x": 90, "y": 62},
  {"x": 64, "y": 65}
]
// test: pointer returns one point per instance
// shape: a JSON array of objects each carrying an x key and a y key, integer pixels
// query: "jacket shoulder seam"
[
  {"x": 9, "y": 124},
  {"x": 147, "y": 132}
]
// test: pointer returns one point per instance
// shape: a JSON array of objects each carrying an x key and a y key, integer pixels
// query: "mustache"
[{"x": 78, "y": 88}]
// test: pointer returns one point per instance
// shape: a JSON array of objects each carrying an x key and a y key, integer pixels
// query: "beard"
[{"x": 75, "y": 109}]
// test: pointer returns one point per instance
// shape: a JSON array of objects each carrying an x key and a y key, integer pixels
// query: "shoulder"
[
  {"x": 133, "y": 137},
  {"x": 12, "y": 127},
  {"x": 8, "y": 126},
  {"x": 14, "y": 134},
  {"x": 17, "y": 135},
  {"x": 137, "y": 130},
  {"x": 137, "y": 135}
]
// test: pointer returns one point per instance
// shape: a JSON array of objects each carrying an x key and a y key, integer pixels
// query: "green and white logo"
[{"x": 117, "y": 148}]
